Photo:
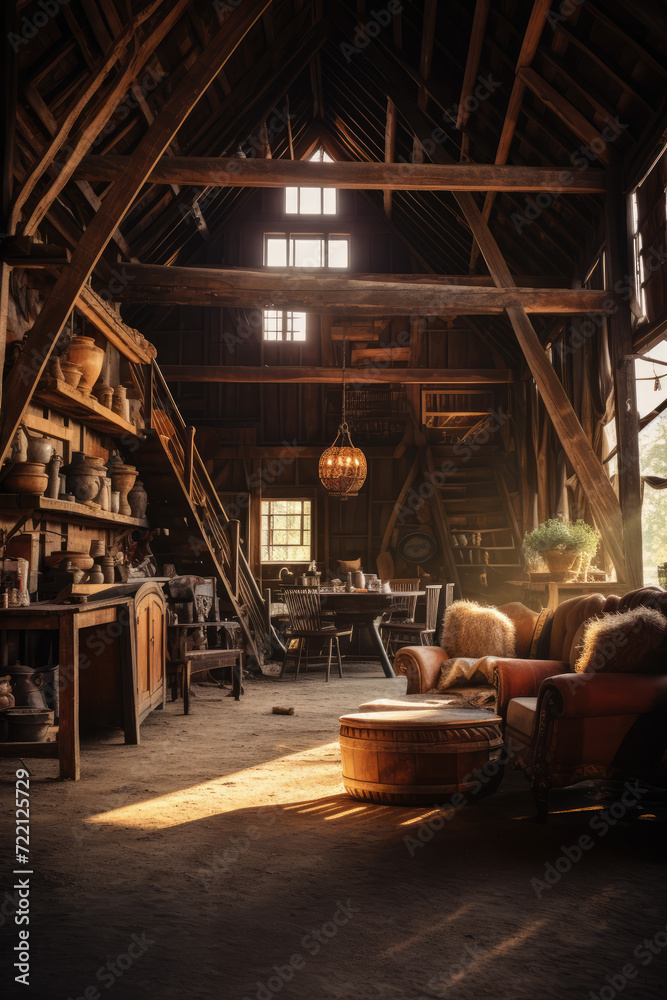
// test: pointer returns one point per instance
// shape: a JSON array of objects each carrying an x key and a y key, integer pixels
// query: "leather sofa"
[{"x": 562, "y": 727}]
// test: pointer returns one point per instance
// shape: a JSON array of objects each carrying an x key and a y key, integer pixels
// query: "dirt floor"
[{"x": 222, "y": 859}]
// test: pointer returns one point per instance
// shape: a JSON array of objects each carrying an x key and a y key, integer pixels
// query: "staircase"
[
  {"x": 480, "y": 518},
  {"x": 201, "y": 538}
]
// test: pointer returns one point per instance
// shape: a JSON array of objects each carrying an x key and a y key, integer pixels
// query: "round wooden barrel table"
[{"x": 420, "y": 757}]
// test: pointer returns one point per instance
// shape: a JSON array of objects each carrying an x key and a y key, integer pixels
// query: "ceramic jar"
[
  {"x": 83, "y": 477},
  {"x": 27, "y": 684},
  {"x": 138, "y": 499},
  {"x": 122, "y": 479},
  {"x": 103, "y": 498},
  {"x": 115, "y": 501},
  {"x": 108, "y": 564},
  {"x": 97, "y": 548},
  {"x": 71, "y": 373},
  {"x": 120, "y": 403},
  {"x": 96, "y": 575},
  {"x": 53, "y": 472},
  {"x": 27, "y": 477},
  {"x": 85, "y": 353},
  {"x": 104, "y": 394},
  {"x": 41, "y": 450}
]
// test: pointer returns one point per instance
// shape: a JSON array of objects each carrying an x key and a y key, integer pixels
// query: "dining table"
[{"x": 364, "y": 609}]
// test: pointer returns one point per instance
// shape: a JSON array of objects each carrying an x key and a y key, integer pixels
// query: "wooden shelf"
[
  {"x": 62, "y": 397},
  {"x": 63, "y": 508}
]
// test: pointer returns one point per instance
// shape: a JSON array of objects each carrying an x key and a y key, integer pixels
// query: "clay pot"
[
  {"x": 71, "y": 373},
  {"x": 53, "y": 472},
  {"x": 85, "y": 353},
  {"x": 120, "y": 404},
  {"x": 104, "y": 394},
  {"x": 83, "y": 477},
  {"x": 122, "y": 479},
  {"x": 26, "y": 477},
  {"x": 108, "y": 564},
  {"x": 41, "y": 450},
  {"x": 103, "y": 498},
  {"x": 138, "y": 499},
  {"x": 96, "y": 575},
  {"x": 28, "y": 725},
  {"x": 115, "y": 501},
  {"x": 27, "y": 684},
  {"x": 82, "y": 560},
  {"x": 97, "y": 548},
  {"x": 559, "y": 560}
]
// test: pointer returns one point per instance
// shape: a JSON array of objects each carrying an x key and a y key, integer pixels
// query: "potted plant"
[{"x": 560, "y": 543}]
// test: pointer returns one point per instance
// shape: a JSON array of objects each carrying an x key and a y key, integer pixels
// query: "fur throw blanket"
[
  {"x": 631, "y": 642},
  {"x": 471, "y": 630}
]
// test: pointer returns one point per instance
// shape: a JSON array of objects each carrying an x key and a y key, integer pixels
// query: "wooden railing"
[{"x": 219, "y": 533}]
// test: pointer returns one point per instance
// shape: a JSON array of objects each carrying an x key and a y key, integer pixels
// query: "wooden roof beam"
[
  {"x": 367, "y": 375},
  {"x": 212, "y": 171}
]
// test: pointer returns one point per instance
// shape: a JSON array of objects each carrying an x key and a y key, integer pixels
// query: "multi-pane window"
[
  {"x": 286, "y": 531},
  {"x": 280, "y": 324},
  {"x": 298, "y": 250},
  {"x": 312, "y": 200}
]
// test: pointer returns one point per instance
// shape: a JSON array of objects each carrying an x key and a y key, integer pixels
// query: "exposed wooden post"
[
  {"x": 9, "y": 96},
  {"x": 68, "y": 696},
  {"x": 619, "y": 284},
  {"x": 389, "y": 147},
  {"x": 578, "y": 449}
]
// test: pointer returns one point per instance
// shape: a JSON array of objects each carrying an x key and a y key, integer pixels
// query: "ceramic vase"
[
  {"x": 122, "y": 479},
  {"x": 108, "y": 565},
  {"x": 104, "y": 394},
  {"x": 83, "y": 477},
  {"x": 71, "y": 373},
  {"x": 53, "y": 472},
  {"x": 138, "y": 499},
  {"x": 115, "y": 501},
  {"x": 120, "y": 404},
  {"x": 85, "y": 353},
  {"x": 41, "y": 450}
]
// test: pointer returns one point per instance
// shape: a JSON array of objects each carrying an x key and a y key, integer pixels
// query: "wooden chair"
[
  {"x": 402, "y": 609},
  {"x": 416, "y": 633},
  {"x": 307, "y": 624}
]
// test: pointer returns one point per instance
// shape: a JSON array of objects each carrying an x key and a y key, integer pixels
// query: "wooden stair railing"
[{"x": 218, "y": 532}]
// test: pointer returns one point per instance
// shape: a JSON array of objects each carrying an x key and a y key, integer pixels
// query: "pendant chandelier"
[{"x": 343, "y": 467}]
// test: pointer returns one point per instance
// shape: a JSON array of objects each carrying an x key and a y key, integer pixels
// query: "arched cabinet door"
[{"x": 150, "y": 630}]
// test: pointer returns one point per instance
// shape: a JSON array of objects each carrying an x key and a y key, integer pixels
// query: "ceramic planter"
[
  {"x": 27, "y": 477},
  {"x": 85, "y": 353},
  {"x": 559, "y": 560}
]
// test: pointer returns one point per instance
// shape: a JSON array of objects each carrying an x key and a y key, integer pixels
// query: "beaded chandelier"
[{"x": 342, "y": 467}]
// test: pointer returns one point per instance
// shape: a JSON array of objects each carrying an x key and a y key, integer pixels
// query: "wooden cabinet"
[{"x": 150, "y": 631}]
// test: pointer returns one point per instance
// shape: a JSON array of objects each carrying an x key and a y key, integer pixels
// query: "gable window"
[
  {"x": 312, "y": 200},
  {"x": 286, "y": 531},
  {"x": 301, "y": 250},
  {"x": 281, "y": 324}
]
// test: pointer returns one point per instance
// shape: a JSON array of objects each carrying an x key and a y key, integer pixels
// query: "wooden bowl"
[{"x": 82, "y": 560}]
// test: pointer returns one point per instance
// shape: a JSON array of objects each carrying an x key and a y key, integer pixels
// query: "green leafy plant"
[{"x": 574, "y": 536}]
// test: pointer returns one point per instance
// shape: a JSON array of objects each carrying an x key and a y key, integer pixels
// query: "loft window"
[
  {"x": 312, "y": 200},
  {"x": 301, "y": 250},
  {"x": 280, "y": 324},
  {"x": 286, "y": 531}
]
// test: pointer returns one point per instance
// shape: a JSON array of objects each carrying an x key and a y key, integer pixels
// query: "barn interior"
[{"x": 308, "y": 306}]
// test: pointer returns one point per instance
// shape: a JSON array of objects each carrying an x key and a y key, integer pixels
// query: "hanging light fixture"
[{"x": 343, "y": 467}]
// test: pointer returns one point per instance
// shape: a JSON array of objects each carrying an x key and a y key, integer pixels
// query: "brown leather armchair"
[{"x": 562, "y": 727}]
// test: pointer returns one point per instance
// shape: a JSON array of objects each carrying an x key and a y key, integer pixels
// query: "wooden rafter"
[
  {"x": 40, "y": 341},
  {"x": 368, "y": 374},
  {"x": 587, "y": 467}
]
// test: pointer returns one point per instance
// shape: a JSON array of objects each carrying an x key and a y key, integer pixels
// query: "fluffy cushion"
[
  {"x": 632, "y": 642},
  {"x": 472, "y": 630}
]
